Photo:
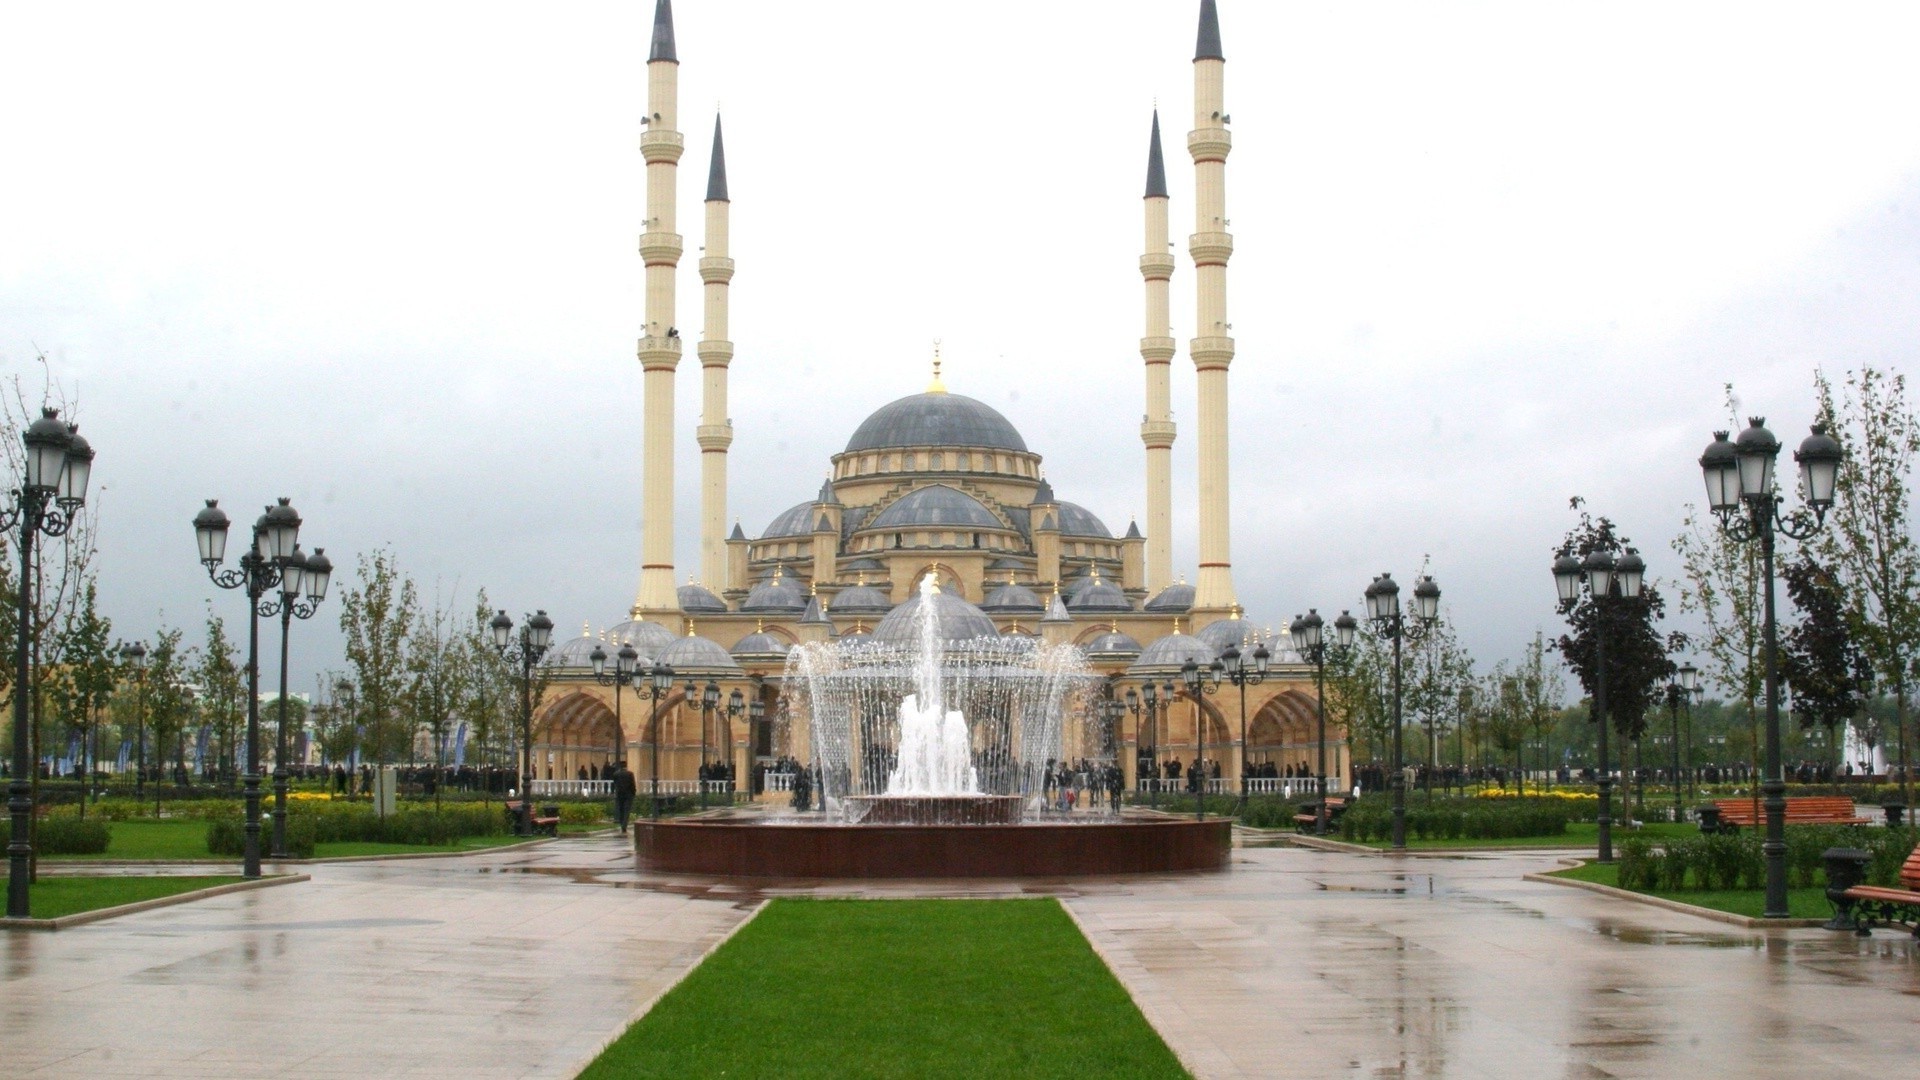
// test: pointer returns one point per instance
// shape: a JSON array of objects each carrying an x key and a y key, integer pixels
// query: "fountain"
[{"x": 931, "y": 743}]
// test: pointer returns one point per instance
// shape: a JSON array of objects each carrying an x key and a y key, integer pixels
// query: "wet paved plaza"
[{"x": 1295, "y": 963}]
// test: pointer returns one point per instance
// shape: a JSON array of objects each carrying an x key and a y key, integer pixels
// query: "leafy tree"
[
  {"x": 436, "y": 676},
  {"x": 86, "y": 677},
  {"x": 170, "y": 698},
  {"x": 1435, "y": 670},
  {"x": 1869, "y": 540},
  {"x": 376, "y": 615},
  {"x": 488, "y": 702},
  {"x": 1831, "y": 676},
  {"x": 1541, "y": 692},
  {"x": 223, "y": 694},
  {"x": 1360, "y": 692},
  {"x": 1636, "y": 654}
]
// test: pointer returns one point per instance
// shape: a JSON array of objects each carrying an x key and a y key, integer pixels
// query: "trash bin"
[
  {"x": 1846, "y": 867},
  {"x": 1709, "y": 818},
  {"x": 1895, "y": 813}
]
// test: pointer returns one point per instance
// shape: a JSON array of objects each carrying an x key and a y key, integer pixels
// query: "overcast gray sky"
[{"x": 381, "y": 258}]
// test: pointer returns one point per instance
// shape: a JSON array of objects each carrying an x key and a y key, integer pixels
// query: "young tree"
[
  {"x": 170, "y": 700},
  {"x": 1832, "y": 678},
  {"x": 223, "y": 695},
  {"x": 1439, "y": 668},
  {"x": 86, "y": 678},
  {"x": 1636, "y": 653},
  {"x": 376, "y": 615},
  {"x": 1868, "y": 541},
  {"x": 436, "y": 677},
  {"x": 488, "y": 701}
]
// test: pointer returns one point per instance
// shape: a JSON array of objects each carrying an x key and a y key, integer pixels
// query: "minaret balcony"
[
  {"x": 713, "y": 436},
  {"x": 716, "y": 269},
  {"x": 1211, "y": 352},
  {"x": 659, "y": 352},
  {"x": 1159, "y": 349},
  {"x": 661, "y": 146},
  {"x": 714, "y": 352},
  {"x": 1210, "y": 248},
  {"x": 1156, "y": 265},
  {"x": 661, "y": 248},
  {"x": 1209, "y": 143},
  {"x": 1157, "y": 434}
]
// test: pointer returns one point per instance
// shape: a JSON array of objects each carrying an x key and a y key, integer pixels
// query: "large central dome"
[{"x": 936, "y": 419}]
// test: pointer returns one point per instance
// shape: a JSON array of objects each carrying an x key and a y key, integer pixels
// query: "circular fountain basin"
[
  {"x": 935, "y": 809},
  {"x": 735, "y": 848}
]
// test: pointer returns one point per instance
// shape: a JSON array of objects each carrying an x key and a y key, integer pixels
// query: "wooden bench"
[
  {"x": 1801, "y": 810},
  {"x": 1866, "y": 905},
  {"x": 1306, "y": 819},
  {"x": 548, "y": 824}
]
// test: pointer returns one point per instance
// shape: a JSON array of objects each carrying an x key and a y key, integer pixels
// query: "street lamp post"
[
  {"x": 1309, "y": 640},
  {"x": 1201, "y": 681},
  {"x": 134, "y": 655},
  {"x": 1741, "y": 493},
  {"x": 53, "y": 487},
  {"x": 268, "y": 560},
  {"x": 756, "y": 713},
  {"x": 1680, "y": 692},
  {"x": 1607, "y": 581},
  {"x": 1383, "y": 608},
  {"x": 303, "y": 584},
  {"x": 626, "y": 665},
  {"x": 1234, "y": 668},
  {"x": 706, "y": 700},
  {"x": 659, "y": 685},
  {"x": 524, "y": 650},
  {"x": 1145, "y": 706},
  {"x": 736, "y": 705}
]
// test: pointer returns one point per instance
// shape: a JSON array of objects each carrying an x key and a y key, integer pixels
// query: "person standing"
[{"x": 624, "y": 788}]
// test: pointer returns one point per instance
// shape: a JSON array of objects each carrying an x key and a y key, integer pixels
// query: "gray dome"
[
  {"x": 778, "y": 594},
  {"x": 577, "y": 653},
  {"x": 1168, "y": 653},
  {"x": 760, "y": 643},
  {"x": 1229, "y": 632},
  {"x": 699, "y": 600},
  {"x": 1113, "y": 643},
  {"x": 954, "y": 620},
  {"x": 936, "y": 419},
  {"x": 1077, "y": 520},
  {"x": 1099, "y": 594},
  {"x": 864, "y": 566},
  {"x": 1176, "y": 599},
  {"x": 858, "y": 633},
  {"x": 862, "y": 599},
  {"x": 1013, "y": 597},
  {"x": 794, "y": 521},
  {"x": 1006, "y": 562},
  {"x": 696, "y": 655},
  {"x": 647, "y": 638},
  {"x": 936, "y": 504}
]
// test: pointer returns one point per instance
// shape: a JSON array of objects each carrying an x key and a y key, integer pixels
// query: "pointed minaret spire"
[
  {"x": 660, "y": 248},
  {"x": 663, "y": 33},
  {"x": 1156, "y": 349},
  {"x": 1212, "y": 345},
  {"x": 715, "y": 433}
]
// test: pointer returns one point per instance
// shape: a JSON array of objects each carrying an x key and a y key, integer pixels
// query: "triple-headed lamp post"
[
  {"x": 134, "y": 655},
  {"x": 1234, "y": 669},
  {"x": 53, "y": 487},
  {"x": 1383, "y": 609},
  {"x": 626, "y": 669},
  {"x": 706, "y": 700},
  {"x": 1145, "y": 705},
  {"x": 659, "y": 685},
  {"x": 1608, "y": 581},
  {"x": 1741, "y": 493},
  {"x": 1680, "y": 692},
  {"x": 524, "y": 651},
  {"x": 1309, "y": 640},
  {"x": 303, "y": 584},
  {"x": 1201, "y": 680},
  {"x": 268, "y": 561}
]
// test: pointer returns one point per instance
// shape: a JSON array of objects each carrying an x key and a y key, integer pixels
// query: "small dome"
[
  {"x": 1005, "y": 562},
  {"x": 1099, "y": 594},
  {"x": 938, "y": 505},
  {"x": 760, "y": 643},
  {"x": 1174, "y": 600},
  {"x": 1077, "y": 520},
  {"x": 954, "y": 620},
  {"x": 1012, "y": 597},
  {"x": 1169, "y": 652},
  {"x": 864, "y": 566},
  {"x": 778, "y": 594},
  {"x": 935, "y": 419},
  {"x": 577, "y": 653},
  {"x": 862, "y": 599},
  {"x": 1113, "y": 643},
  {"x": 1235, "y": 631},
  {"x": 794, "y": 521},
  {"x": 699, "y": 600},
  {"x": 860, "y": 632},
  {"x": 697, "y": 655},
  {"x": 647, "y": 638}
]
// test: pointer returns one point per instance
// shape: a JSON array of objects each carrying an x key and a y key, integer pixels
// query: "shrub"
[
  {"x": 63, "y": 834},
  {"x": 228, "y": 836},
  {"x": 1635, "y": 863}
]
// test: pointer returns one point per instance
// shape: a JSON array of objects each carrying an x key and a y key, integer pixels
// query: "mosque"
[{"x": 933, "y": 483}]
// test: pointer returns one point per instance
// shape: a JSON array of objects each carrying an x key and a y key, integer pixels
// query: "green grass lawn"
[
  {"x": 52, "y": 897},
  {"x": 345, "y": 848},
  {"x": 1801, "y": 903},
  {"x": 1579, "y": 834},
  {"x": 896, "y": 988},
  {"x": 149, "y": 840}
]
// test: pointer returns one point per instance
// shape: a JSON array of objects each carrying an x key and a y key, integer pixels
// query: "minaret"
[
  {"x": 660, "y": 338},
  {"x": 1156, "y": 348},
  {"x": 1211, "y": 347},
  {"x": 716, "y": 352}
]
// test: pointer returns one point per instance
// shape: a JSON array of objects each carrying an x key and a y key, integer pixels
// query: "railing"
[
  {"x": 586, "y": 789},
  {"x": 1292, "y": 787},
  {"x": 777, "y": 781},
  {"x": 1219, "y": 785}
]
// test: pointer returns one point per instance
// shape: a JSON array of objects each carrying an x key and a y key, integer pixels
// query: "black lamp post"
[
  {"x": 659, "y": 685},
  {"x": 1741, "y": 493},
  {"x": 626, "y": 668},
  {"x": 267, "y": 563},
  {"x": 1607, "y": 581},
  {"x": 58, "y": 463},
  {"x": 1234, "y": 669},
  {"x": 1201, "y": 681},
  {"x": 1383, "y": 608},
  {"x": 756, "y": 712},
  {"x": 524, "y": 650},
  {"x": 1679, "y": 693},
  {"x": 1309, "y": 640},
  {"x": 1145, "y": 705},
  {"x": 706, "y": 700},
  {"x": 303, "y": 584},
  {"x": 736, "y": 706},
  {"x": 134, "y": 655}
]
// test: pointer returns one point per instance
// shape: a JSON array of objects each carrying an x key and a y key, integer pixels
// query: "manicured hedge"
[
  {"x": 1371, "y": 818},
  {"x": 1730, "y": 861},
  {"x": 63, "y": 834}
]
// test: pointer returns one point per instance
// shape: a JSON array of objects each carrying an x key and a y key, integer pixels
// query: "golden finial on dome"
[
  {"x": 936, "y": 387},
  {"x": 759, "y": 626},
  {"x": 1113, "y": 626},
  {"x": 690, "y": 628},
  {"x": 1176, "y": 624}
]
